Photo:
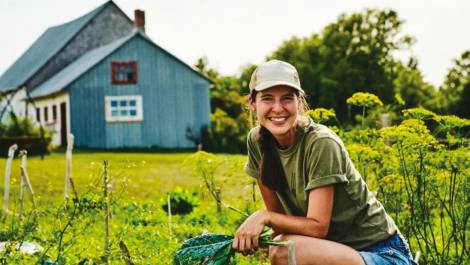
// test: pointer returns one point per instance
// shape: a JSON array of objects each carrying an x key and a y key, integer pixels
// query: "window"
[
  {"x": 124, "y": 72},
  {"x": 123, "y": 108},
  {"x": 46, "y": 114},
  {"x": 54, "y": 112},
  {"x": 38, "y": 114}
]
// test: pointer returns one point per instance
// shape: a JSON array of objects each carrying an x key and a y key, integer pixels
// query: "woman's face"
[{"x": 277, "y": 110}]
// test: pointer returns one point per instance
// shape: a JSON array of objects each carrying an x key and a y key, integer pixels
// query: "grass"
[
  {"x": 140, "y": 182},
  {"x": 147, "y": 175}
]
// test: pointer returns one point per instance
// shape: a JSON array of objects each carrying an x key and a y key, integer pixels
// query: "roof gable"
[
  {"x": 43, "y": 49},
  {"x": 83, "y": 64}
]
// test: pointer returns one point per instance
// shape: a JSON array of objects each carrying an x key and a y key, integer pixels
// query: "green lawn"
[
  {"x": 140, "y": 182},
  {"x": 147, "y": 176}
]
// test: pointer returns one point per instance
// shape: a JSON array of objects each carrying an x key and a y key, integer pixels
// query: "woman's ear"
[{"x": 251, "y": 105}]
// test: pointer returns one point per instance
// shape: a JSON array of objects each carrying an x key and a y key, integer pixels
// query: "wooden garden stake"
[
  {"x": 11, "y": 154},
  {"x": 106, "y": 218},
  {"x": 125, "y": 251},
  {"x": 25, "y": 183},
  {"x": 68, "y": 169},
  {"x": 169, "y": 214}
]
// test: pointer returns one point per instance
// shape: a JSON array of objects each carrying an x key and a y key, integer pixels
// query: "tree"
[
  {"x": 454, "y": 92},
  {"x": 409, "y": 84},
  {"x": 351, "y": 55},
  {"x": 229, "y": 118}
]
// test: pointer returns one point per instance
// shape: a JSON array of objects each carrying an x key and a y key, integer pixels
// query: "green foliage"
[
  {"x": 227, "y": 134},
  {"x": 214, "y": 249},
  {"x": 456, "y": 88},
  {"x": 207, "y": 249},
  {"x": 352, "y": 54},
  {"x": 181, "y": 201},
  {"x": 205, "y": 165},
  {"x": 229, "y": 119},
  {"x": 22, "y": 126},
  {"x": 412, "y": 89}
]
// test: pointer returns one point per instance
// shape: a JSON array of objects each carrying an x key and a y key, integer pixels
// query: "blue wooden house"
[{"x": 101, "y": 78}]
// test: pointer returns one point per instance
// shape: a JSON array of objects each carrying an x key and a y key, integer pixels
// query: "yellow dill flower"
[
  {"x": 364, "y": 99},
  {"x": 321, "y": 115}
]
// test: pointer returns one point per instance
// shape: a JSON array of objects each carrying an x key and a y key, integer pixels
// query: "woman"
[{"x": 313, "y": 194}]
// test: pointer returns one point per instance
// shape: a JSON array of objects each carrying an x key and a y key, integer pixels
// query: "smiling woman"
[{"x": 313, "y": 194}]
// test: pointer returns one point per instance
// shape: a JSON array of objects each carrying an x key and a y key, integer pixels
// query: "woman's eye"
[{"x": 267, "y": 99}]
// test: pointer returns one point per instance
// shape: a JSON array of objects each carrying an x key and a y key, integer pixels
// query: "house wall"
[
  {"x": 174, "y": 98},
  {"x": 14, "y": 101},
  {"x": 53, "y": 125},
  {"x": 110, "y": 24}
]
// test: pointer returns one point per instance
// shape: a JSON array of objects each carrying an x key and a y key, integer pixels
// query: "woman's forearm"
[{"x": 288, "y": 224}]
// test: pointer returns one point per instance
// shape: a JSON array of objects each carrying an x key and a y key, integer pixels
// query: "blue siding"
[{"x": 174, "y": 97}]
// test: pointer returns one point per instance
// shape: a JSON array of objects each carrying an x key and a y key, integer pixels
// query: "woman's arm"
[
  {"x": 317, "y": 221},
  {"x": 271, "y": 201},
  {"x": 315, "y": 224}
]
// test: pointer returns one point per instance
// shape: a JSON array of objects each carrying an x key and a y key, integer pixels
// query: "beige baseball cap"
[{"x": 274, "y": 73}]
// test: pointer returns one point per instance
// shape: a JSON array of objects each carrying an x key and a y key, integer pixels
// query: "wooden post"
[
  {"x": 169, "y": 215},
  {"x": 11, "y": 154},
  {"x": 25, "y": 183},
  {"x": 68, "y": 169},
  {"x": 106, "y": 218},
  {"x": 125, "y": 252}
]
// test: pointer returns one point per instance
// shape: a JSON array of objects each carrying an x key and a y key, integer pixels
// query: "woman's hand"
[{"x": 247, "y": 236}]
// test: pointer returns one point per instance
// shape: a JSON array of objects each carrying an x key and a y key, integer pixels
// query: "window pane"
[
  {"x": 123, "y": 103},
  {"x": 132, "y": 103},
  {"x": 38, "y": 114},
  {"x": 133, "y": 112},
  {"x": 46, "y": 114},
  {"x": 124, "y": 112},
  {"x": 114, "y": 113},
  {"x": 114, "y": 103},
  {"x": 54, "y": 112},
  {"x": 124, "y": 72}
]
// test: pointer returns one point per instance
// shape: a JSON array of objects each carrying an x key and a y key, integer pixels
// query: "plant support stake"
[
  {"x": 169, "y": 214},
  {"x": 25, "y": 183},
  {"x": 11, "y": 154},
  {"x": 68, "y": 169}
]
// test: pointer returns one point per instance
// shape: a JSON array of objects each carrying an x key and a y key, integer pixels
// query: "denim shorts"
[{"x": 392, "y": 251}]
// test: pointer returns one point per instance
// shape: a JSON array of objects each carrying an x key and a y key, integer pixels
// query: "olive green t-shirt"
[{"x": 318, "y": 158}]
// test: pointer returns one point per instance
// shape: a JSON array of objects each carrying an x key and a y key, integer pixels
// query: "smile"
[{"x": 277, "y": 119}]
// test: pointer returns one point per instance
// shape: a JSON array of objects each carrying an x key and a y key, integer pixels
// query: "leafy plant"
[
  {"x": 181, "y": 201},
  {"x": 215, "y": 249}
]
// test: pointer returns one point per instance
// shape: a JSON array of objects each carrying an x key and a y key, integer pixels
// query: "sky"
[{"x": 232, "y": 34}]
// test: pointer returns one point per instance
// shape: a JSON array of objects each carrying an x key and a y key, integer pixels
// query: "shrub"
[{"x": 182, "y": 202}]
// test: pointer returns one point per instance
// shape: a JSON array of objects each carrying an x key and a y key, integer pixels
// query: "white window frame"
[{"x": 138, "y": 108}]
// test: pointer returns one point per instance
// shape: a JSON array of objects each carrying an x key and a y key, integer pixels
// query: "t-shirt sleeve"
[
  {"x": 254, "y": 156},
  {"x": 326, "y": 164}
]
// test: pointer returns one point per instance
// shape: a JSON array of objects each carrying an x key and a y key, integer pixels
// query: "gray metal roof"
[
  {"x": 80, "y": 66},
  {"x": 42, "y": 50}
]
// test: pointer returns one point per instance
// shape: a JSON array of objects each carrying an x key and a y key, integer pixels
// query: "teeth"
[{"x": 278, "y": 119}]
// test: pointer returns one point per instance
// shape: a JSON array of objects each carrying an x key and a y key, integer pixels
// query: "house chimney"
[{"x": 139, "y": 19}]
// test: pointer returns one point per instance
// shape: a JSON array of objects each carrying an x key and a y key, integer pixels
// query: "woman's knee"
[{"x": 278, "y": 254}]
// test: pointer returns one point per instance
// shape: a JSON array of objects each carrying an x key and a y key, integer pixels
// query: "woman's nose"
[{"x": 277, "y": 107}]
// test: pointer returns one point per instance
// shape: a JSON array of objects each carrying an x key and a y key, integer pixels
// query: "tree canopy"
[{"x": 352, "y": 54}]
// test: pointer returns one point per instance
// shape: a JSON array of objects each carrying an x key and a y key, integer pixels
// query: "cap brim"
[{"x": 268, "y": 84}]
